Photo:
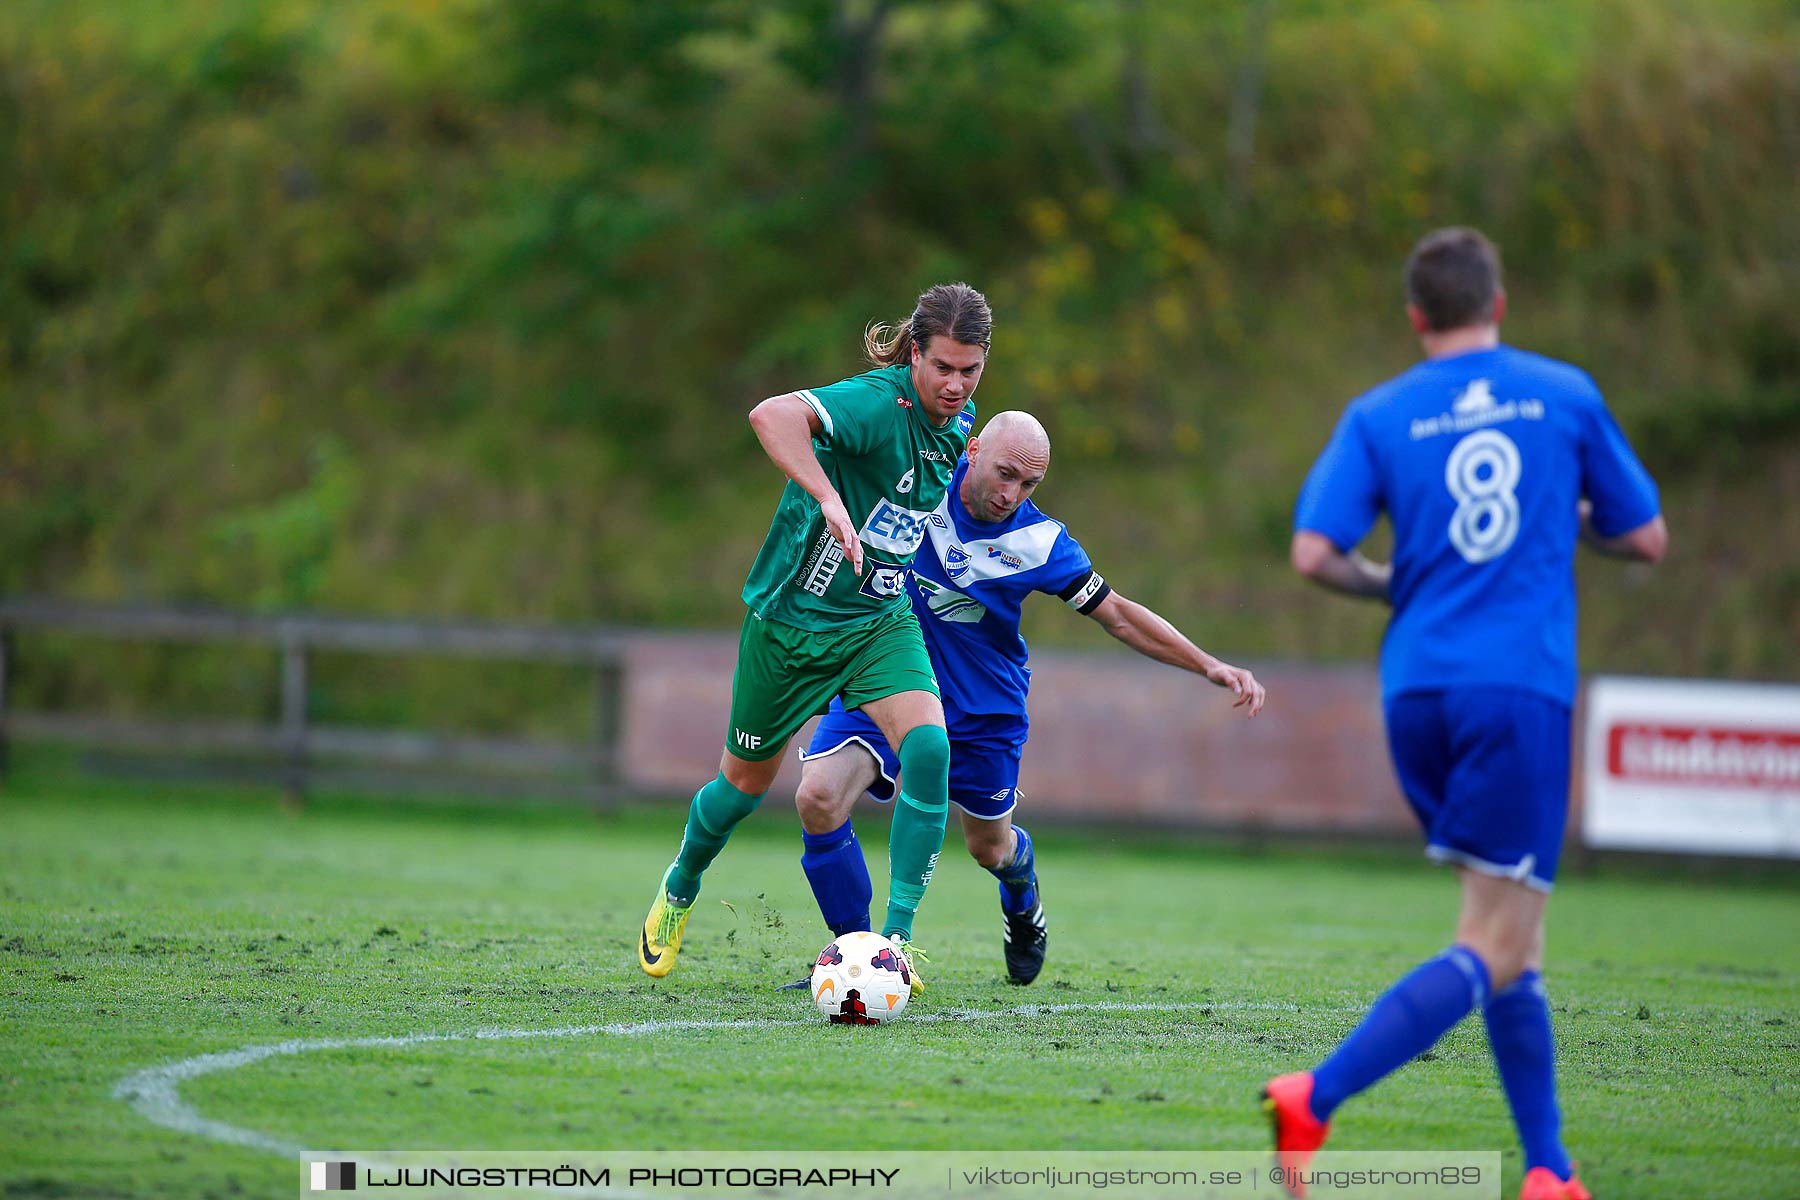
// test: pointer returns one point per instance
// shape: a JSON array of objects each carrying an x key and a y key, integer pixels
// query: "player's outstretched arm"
[
  {"x": 786, "y": 426},
  {"x": 1647, "y": 543},
  {"x": 1152, "y": 636},
  {"x": 1314, "y": 556}
]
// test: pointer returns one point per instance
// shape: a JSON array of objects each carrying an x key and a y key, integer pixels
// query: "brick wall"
[{"x": 1114, "y": 737}]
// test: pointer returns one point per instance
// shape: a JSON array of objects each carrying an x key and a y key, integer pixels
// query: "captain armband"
[{"x": 1086, "y": 593}]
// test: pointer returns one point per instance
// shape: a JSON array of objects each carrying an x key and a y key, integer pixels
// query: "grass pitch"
[{"x": 143, "y": 925}]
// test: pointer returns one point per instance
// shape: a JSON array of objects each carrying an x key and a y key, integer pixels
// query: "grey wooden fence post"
[
  {"x": 6, "y": 655},
  {"x": 608, "y": 724},
  {"x": 293, "y": 717}
]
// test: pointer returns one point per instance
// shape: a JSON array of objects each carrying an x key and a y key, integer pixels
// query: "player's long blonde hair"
[{"x": 954, "y": 309}]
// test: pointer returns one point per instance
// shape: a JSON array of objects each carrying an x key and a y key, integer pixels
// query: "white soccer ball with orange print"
[{"x": 861, "y": 979}]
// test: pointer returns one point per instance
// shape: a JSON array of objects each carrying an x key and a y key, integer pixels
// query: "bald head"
[
  {"x": 1007, "y": 461},
  {"x": 1020, "y": 431}
]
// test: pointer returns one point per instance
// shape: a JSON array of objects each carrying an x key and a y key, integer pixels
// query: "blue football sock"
[
  {"x": 1405, "y": 1022},
  {"x": 1018, "y": 876},
  {"x": 839, "y": 875},
  {"x": 1518, "y": 1024}
]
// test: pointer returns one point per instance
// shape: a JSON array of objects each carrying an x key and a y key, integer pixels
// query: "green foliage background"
[{"x": 455, "y": 307}]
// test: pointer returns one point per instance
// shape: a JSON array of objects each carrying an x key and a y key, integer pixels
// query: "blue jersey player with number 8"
[{"x": 1491, "y": 463}]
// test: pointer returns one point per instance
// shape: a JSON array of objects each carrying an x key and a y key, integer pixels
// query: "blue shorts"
[
  {"x": 1486, "y": 770},
  {"x": 984, "y": 771}
]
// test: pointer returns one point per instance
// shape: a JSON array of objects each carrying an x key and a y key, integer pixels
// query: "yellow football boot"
[{"x": 661, "y": 938}]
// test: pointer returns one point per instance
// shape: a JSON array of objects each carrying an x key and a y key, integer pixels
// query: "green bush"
[{"x": 455, "y": 309}]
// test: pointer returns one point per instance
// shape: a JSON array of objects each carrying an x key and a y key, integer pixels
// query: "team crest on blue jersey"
[
  {"x": 965, "y": 421},
  {"x": 956, "y": 562}
]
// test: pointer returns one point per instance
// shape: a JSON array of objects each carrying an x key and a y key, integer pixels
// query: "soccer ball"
[{"x": 861, "y": 979}]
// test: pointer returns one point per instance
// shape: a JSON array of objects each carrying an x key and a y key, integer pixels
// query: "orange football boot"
[
  {"x": 1541, "y": 1183},
  {"x": 1297, "y": 1132}
]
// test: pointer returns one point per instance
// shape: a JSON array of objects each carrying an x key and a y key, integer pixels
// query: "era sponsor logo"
[
  {"x": 1011, "y": 561},
  {"x": 747, "y": 741},
  {"x": 894, "y": 529},
  {"x": 1704, "y": 755},
  {"x": 883, "y": 582}
]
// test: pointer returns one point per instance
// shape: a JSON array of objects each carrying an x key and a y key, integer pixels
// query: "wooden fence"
[
  {"x": 301, "y": 752},
  {"x": 1115, "y": 738}
]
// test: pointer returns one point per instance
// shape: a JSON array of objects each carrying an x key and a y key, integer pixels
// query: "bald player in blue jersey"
[
  {"x": 1491, "y": 463},
  {"x": 988, "y": 547}
]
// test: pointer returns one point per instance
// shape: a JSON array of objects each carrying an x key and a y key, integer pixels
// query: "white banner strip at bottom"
[{"x": 908, "y": 1174}]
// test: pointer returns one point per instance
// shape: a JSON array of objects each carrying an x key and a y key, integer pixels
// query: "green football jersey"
[{"x": 891, "y": 466}]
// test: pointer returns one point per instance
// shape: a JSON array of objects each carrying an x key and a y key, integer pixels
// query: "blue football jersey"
[
  {"x": 968, "y": 582},
  {"x": 1479, "y": 460}
]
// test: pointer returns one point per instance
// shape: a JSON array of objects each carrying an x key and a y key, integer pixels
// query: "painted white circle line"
[{"x": 155, "y": 1093}]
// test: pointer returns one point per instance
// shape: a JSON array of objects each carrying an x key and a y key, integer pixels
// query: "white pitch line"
[{"x": 155, "y": 1092}]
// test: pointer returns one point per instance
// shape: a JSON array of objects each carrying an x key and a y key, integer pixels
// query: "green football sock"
[
  {"x": 919, "y": 817},
  {"x": 715, "y": 812}
]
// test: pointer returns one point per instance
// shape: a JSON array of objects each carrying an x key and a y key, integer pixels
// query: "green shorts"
[{"x": 786, "y": 676}]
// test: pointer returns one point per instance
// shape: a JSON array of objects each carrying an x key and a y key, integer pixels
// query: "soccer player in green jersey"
[{"x": 867, "y": 459}]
